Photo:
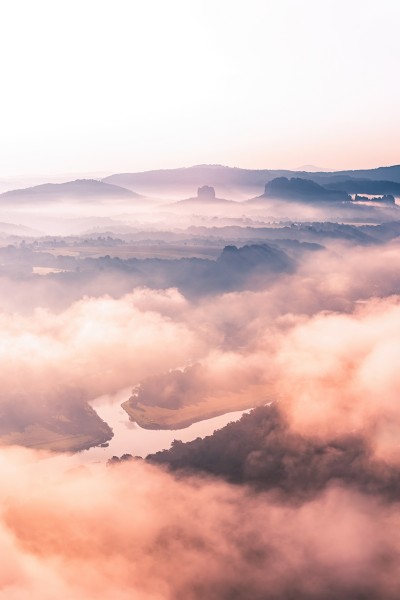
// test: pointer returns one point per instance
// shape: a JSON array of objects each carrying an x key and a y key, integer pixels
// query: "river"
[{"x": 129, "y": 438}]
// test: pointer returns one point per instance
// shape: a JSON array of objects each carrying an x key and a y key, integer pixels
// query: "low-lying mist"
[
  {"x": 135, "y": 530},
  {"x": 80, "y": 335},
  {"x": 299, "y": 499}
]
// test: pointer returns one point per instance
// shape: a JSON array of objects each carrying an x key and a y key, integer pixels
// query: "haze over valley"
[
  {"x": 200, "y": 300},
  {"x": 126, "y": 315}
]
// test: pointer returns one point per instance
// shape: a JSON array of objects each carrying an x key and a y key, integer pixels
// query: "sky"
[{"x": 101, "y": 86}]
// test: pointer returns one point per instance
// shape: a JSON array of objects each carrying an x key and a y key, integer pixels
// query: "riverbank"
[
  {"x": 156, "y": 417},
  {"x": 130, "y": 438},
  {"x": 64, "y": 432}
]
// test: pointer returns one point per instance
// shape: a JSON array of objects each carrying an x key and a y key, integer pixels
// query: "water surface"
[{"x": 130, "y": 438}]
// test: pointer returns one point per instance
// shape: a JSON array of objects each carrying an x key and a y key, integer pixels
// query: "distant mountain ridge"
[
  {"x": 366, "y": 186},
  {"x": 13, "y": 229},
  {"x": 78, "y": 189},
  {"x": 227, "y": 182},
  {"x": 314, "y": 169},
  {"x": 218, "y": 175}
]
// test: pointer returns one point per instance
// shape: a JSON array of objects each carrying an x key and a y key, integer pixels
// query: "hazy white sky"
[{"x": 125, "y": 85}]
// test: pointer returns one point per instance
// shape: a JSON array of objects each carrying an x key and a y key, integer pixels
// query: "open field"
[
  {"x": 41, "y": 438},
  {"x": 163, "y": 251}
]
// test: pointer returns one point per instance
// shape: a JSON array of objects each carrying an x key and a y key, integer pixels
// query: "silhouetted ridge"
[
  {"x": 263, "y": 451},
  {"x": 80, "y": 189},
  {"x": 250, "y": 257},
  {"x": 385, "y": 199},
  {"x": 301, "y": 189}
]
